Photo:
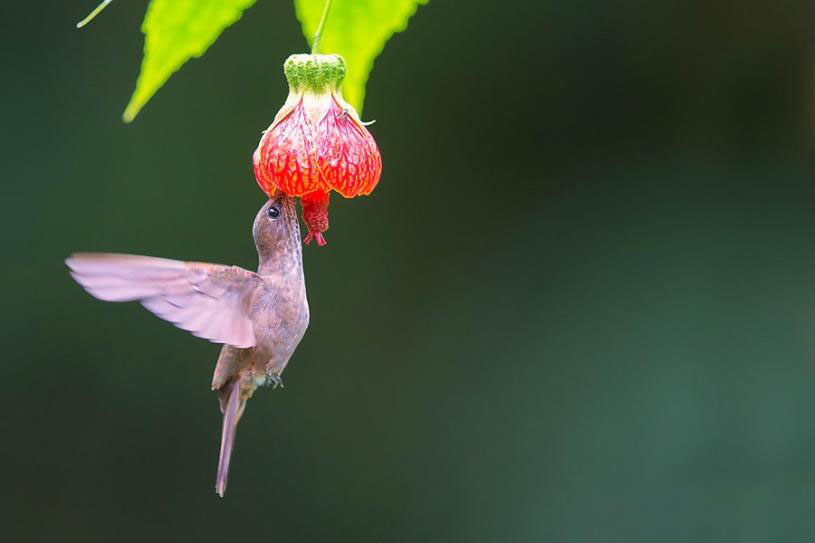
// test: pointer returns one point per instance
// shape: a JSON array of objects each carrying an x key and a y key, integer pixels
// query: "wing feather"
[{"x": 210, "y": 300}]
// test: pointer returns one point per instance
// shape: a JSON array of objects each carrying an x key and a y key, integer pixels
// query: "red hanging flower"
[{"x": 317, "y": 143}]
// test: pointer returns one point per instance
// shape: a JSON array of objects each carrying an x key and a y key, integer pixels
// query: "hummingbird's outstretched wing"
[{"x": 210, "y": 300}]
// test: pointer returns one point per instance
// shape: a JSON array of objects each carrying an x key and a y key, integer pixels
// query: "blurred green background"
[{"x": 580, "y": 306}]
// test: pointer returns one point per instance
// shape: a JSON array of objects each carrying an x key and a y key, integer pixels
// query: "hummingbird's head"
[{"x": 276, "y": 229}]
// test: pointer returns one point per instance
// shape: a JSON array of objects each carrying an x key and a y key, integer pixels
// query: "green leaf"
[
  {"x": 175, "y": 31},
  {"x": 357, "y": 30}
]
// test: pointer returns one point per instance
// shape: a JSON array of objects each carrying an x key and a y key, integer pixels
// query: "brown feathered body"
[{"x": 259, "y": 317}]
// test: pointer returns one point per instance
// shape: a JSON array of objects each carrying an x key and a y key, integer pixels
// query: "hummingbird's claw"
[{"x": 276, "y": 380}]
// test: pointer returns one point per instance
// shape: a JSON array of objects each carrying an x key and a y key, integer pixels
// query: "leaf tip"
[{"x": 130, "y": 112}]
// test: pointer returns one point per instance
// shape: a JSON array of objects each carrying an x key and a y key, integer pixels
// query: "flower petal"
[{"x": 347, "y": 153}]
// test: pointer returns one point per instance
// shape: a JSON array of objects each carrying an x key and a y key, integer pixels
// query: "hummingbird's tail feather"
[{"x": 231, "y": 409}]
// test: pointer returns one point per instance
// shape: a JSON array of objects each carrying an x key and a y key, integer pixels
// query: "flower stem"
[
  {"x": 93, "y": 13},
  {"x": 319, "y": 33}
]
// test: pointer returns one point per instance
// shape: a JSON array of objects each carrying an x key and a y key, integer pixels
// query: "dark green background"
[{"x": 580, "y": 306}]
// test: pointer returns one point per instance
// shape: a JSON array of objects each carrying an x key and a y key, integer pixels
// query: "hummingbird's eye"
[{"x": 274, "y": 212}]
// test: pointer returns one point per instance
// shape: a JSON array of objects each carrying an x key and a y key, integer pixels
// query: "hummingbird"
[{"x": 259, "y": 317}]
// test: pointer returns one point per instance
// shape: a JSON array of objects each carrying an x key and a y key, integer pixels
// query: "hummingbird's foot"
[{"x": 275, "y": 380}]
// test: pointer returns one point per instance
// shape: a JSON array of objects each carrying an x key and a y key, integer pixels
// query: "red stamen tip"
[{"x": 318, "y": 236}]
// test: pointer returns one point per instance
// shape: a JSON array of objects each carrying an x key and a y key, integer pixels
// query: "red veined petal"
[
  {"x": 286, "y": 156},
  {"x": 347, "y": 153}
]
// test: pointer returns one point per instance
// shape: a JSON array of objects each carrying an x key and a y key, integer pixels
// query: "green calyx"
[{"x": 314, "y": 73}]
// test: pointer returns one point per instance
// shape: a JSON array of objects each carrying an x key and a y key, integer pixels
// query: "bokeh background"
[{"x": 580, "y": 306}]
